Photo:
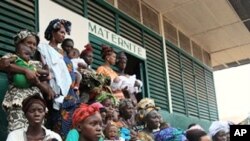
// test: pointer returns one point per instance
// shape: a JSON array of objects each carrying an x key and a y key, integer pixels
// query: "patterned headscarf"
[
  {"x": 106, "y": 95},
  {"x": 21, "y": 35},
  {"x": 83, "y": 112},
  {"x": 145, "y": 106},
  {"x": 56, "y": 25}
]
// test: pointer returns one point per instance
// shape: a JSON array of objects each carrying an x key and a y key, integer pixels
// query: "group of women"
[{"x": 43, "y": 81}]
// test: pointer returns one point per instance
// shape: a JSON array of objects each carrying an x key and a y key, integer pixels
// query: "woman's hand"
[
  {"x": 31, "y": 76},
  {"x": 4, "y": 63}
]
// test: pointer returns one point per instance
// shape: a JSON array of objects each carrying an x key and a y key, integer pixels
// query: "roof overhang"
[{"x": 218, "y": 26}]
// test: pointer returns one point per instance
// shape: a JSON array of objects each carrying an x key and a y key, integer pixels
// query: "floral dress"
[{"x": 70, "y": 103}]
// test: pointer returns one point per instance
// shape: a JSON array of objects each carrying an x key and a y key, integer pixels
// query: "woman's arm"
[{"x": 30, "y": 75}]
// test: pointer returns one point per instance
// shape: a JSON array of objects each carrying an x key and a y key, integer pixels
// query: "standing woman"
[
  {"x": 109, "y": 56},
  {"x": 12, "y": 102},
  {"x": 87, "y": 56},
  {"x": 61, "y": 81}
]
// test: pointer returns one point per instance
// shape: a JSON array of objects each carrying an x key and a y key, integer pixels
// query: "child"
[
  {"x": 111, "y": 132},
  {"x": 23, "y": 58},
  {"x": 77, "y": 63}
]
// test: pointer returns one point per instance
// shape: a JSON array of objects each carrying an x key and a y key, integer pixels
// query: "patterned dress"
[
  {"x": 70, "y": 103},
  {"x": 13, "y": 99}
]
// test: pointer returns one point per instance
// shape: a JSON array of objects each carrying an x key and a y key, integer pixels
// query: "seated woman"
[
  {"x": 87, "y": 123},
  {"x": 147, "y": 112},
  {"x": 109, "y": 56},
  {"x": 34, "y": 108}
]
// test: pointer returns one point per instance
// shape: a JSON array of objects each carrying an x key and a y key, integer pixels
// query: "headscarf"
[
  {"x": 145, "y": 106},
  {"x": 88, "y": 49},
  {"x": 83, "y": 112},
  {"x": 56, "y": 25},
  {"x": 218, "y": 126},
  {"x": 106, "y": 95},
  {"x": 21, "y": 35},
  {"x": 31, "y": 100}
]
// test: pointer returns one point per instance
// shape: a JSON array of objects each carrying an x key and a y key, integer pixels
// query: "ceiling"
[{"x": 219, "y": 26}]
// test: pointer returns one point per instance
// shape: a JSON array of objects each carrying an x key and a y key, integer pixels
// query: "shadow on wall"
[{"x": 3, "y": 120}]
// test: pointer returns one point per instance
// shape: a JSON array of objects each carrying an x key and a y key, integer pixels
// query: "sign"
[
  {"x": 117, "y": 40},
  {"x": 239, "y": 132}
]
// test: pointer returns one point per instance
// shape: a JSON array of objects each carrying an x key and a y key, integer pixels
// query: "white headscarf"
[{"x": 217, "y": 126}]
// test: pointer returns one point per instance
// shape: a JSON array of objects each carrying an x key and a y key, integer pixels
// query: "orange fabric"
[
  {"x": 83, "y": 112},
  {"x": 107, "y": 72},
  {"x": 112, "y": 74}
]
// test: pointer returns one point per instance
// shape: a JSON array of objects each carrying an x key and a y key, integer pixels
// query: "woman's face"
[
  {"x": 107, "y": 103},
  {"x": 31, "y": 42},
  {"x": 153, "y": 119},
  {"x": 111, "y": 59},
  {"x": 220, "y": 136},
  {"x": 59, "y": 35},
  {"x": 88, "y": 58},
  {"x": 35, "y": 114},
  {"x": 128, "y": 111},
  {"x": 122, "y": 64},
  {"x": 91, "y": 128}
]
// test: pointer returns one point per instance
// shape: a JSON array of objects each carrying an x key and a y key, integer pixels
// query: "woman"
[
  {"x": 12, "y": 102},
  {"x": 133, "y": 85},
  {"x": 109, "y": 56},
  {"x": 147, "y": 112},
  {"x": 59, "y": 67},
  {"x": 87, "y": 123},
  {"x": 34, "y": 108},
  {"x": 87, "y": 55},
  {"x": 126, "y": 111},
  {"x": 219, "y": 130}
]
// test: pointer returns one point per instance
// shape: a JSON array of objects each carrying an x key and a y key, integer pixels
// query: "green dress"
[{"x": 19, "y": 80}]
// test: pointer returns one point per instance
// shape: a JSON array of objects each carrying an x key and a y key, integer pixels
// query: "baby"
[
  {"x": 111, "y": 132},
  {"x": 130, "y": 83},
  {"x": 77, "y": 63},
  {"x": 23, "y": 58}
]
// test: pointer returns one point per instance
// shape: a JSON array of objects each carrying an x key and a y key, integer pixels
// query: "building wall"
[{"x": 184, "y": 88}]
